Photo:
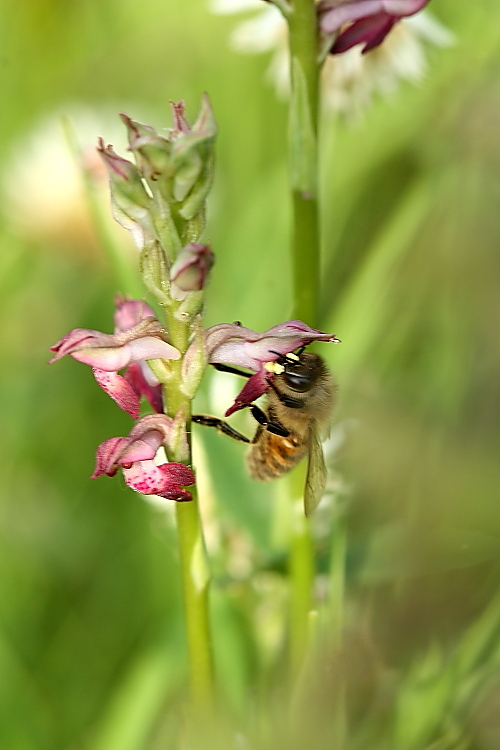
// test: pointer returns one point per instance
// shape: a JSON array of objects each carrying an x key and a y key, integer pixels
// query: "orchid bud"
[
  {"x": 129, "y": 200},
  {"x": 193, "y": 157},
  {"x": 151, "y": 151},
  {"x": 190, "y": 271},
  {"x": 153, "y": 156}
]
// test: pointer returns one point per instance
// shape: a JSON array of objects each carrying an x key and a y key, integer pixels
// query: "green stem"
[
  {"x": 303, "y": 137},
  {"x": 195, "y": 573},
  {"x": 306, "y": 271},
  {"x": 303, "y": 134},
  {"x": 195, "y": 587}
]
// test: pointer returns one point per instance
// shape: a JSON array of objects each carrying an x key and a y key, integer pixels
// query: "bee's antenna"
[{"x": 290, "y": 357}]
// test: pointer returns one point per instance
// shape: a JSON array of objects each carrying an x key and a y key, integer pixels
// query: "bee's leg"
[
  {"x": 220, "y": 426},
  {"x": 293, "y": 403},
  {"x": 231, "y": 370},
  {"x": 262, "y": 419}
]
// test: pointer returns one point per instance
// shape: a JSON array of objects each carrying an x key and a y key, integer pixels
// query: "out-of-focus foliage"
[{"x": 91, "y": 620}]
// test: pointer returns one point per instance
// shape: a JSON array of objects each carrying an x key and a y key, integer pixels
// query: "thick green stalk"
[
  {"x": 192, "y": 553},
  {"x": 303, "y": 156},
  {"x": 303, "y": 133},
  {"x": 195, "y": 586}
]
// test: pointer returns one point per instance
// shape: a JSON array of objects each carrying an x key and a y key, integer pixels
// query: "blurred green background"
[{"x": 91, "y": 644}]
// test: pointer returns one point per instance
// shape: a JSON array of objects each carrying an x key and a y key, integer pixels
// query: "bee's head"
[{"x": 299, "y": 371}]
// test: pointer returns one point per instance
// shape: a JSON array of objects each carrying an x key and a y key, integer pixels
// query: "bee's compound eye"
[{"x": 297, "y": 382}]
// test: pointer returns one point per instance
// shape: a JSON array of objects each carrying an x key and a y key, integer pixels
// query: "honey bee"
[{"x": 295, "y": 419}]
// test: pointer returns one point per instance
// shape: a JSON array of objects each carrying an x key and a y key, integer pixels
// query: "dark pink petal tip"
[
  {"x": 368, "y": 31},
  {"x": 255, "y": 387},
  {"x": 107, "y": 456}
]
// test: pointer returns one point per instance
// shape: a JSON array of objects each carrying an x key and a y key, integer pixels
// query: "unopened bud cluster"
[{"x": 161, "y": 200}]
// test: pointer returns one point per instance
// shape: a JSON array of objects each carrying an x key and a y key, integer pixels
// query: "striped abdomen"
[{"x": 271, "y": 455}]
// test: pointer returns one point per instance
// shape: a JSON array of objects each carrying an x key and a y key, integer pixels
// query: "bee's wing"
[{"x": 316, "y": 473}]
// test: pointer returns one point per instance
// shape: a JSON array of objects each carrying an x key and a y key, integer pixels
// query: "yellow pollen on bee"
[
  {"x": 274, "y": 367},
  {"x": 293, "y": 357}
]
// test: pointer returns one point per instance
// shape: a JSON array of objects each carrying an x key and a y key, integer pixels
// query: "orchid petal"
[
  {"x": 255, "y": 387},
  {"x": 121, "y": 391},
  {"x": 165, "y": 480},
  {"x": 334, "y": 15},
  {"x": 143, "y": 449},
  {"x": 159, "y": 423},
  {"x": 372, "y": 31},
  {"x": 142, "y": 444},
  {"x": 403, "y": 7},
  {"x": 150, "y": 347},
  {"x": 135, "y": 376},
  {"x": 378, "y": 34},
  {"x": 78, "y": 338},
  {"x": 130, "y": 312},
  {"x": 107, "y": 455},
  {"x": 143, "y": 340},
  {"x": 109, "y": 352}
]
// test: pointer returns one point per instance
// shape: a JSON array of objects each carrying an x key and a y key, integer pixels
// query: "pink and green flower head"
[
  {"x": 138, "y": 337},
  {"x": 234, "y": 345},
  {"x": 364, "y": 22},
  {"x": 135, "y": 455}
]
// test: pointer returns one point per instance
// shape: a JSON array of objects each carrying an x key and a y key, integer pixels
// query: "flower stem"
[
  {"x": 302, "y": 145},
  {"x": 195, "y": 586},
  {"x": 302, "y": 140},
  {"x": 195, "y": 574}
]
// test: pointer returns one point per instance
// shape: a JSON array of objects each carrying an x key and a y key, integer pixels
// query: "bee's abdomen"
[{"x": 272, "y": 455}]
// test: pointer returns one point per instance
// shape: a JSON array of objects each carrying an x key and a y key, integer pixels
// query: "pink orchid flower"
[
  {"x": 363, "y": 21},
  {"x": 234, "y": 345},
  {"x": 135, "y": 454},
  {"x": 138, "y": 337}
]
